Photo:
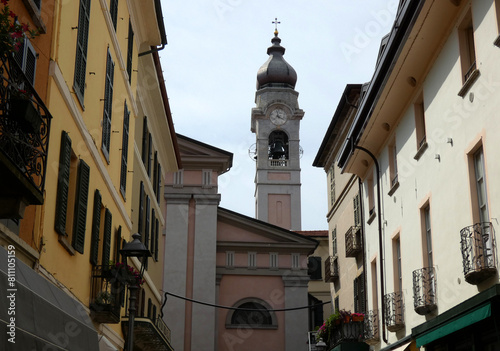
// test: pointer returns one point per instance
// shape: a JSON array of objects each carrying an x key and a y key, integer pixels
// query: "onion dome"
[{"x": 276, "y": 72}]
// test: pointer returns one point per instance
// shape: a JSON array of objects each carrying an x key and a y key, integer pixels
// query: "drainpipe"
[
  {"x": 380, "y": 244},
  {"x": 161, "y": 28},
  {"x": 360, "y": 187}
]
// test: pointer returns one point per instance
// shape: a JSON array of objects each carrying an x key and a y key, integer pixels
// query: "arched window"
[
  {"x": 278, "y": 145},
  {"x": 253, "y": 313}
]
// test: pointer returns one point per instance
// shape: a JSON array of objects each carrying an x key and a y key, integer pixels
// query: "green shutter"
[
  {"x": 155, "y": 173},
  {"x": 130, "y": 50},
  {"x": 141, "y": 209},
  {"x": 108, "y": 104},
  {"x": 113, "y": 11},
  {"x": 96, "y": 226},
  {"x": 158, "y": 187},
  {"x": 80, "y": 214},
  {"x": 81, "y": 48},
  {"x": 150, "y": 154},
  {"x": 123, "y": 171},
  {"x": 362, "y": 292},
  {"x": 144, "y": 140},
  {"x": 63, "y": 184},
  {"x": 118, "y": 244},
  {"x": 106, "y": 243},
  {"x": 146, "y": 229},
  {"x": 157, "y": 229},
  {"x": 153, "y": 232}
]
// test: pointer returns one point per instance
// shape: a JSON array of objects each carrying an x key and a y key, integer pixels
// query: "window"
[
  {"x": 207, "y": 178},
  {"x": 393, "y": 167},
  {"x": 418, "y": 108},
  {"x": 229, "y": 259},
  {"x": 273, "y": 260},
  {"x": 118, "y": 244},
  {"x": 357, "y": 210},
  {"x": 374, "y": 284},
  {"x": 178, "y": 178},
  {"x": 253, "y": 313},
  {"x": 150, "y": 154},
  {"x": 332, "y": 185},
  {"x": 467, "y": 50},
  {"x": 337, "y": 304},
  {"x": 158, "y": 186},
  {"x": 26, "y": 58},
  {"x": 147, "y": 222},
  {"x": 371, "y": 198},
  {"x": 314, "y": 267},
  {"x": 106, "y": 241},
  {"x": 108, "y": 104},
  {"x": 278, "y": 147},
  {"x": 124, "y": 171},
  {"x": 130, "y": 50},
  {"x": 154, "y": 241},
  {"x": 252, "y": 260},
  {"x": 482, "y": 198},
  {"x": 72, "y": 196},
  {"x": 428, "y": 261},
  {"x": 398, "y": 280},
  {"x": 359, "y": 294},
  {"x": 81, "y": 49},
  {"x": 295, "y": 261},
  {"x": 157, "y": 230},
  {"x": 144, "y": 141},
  {"x": 155, "y": 173},
  {"x": 141, "y": 210},
  {"x": 96, "y": 227},
  {"x": 113, "y": 11},
  {"x": 334, "y": 242}
]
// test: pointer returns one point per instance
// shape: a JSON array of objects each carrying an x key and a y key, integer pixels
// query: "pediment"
[{"x": 198, "y": 155}]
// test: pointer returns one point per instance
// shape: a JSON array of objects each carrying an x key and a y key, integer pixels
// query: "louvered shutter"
[
  {"x": 362, "y": 295},
  {"x": 153, "y": 232},
  {"x": 356, "y": 295},
  {"x": 146, "y": 229},
  {"x": 106, "y": 242},
  {"x": 96, "y": 226},
  {"x": 29, "y": 67},
  {"x": 130, "y": 50},
  {"x": 81, "y": 48},
  {"x": 141, "y": 209},
  {"x": 357, "y": 214},
  {"x": 108, "y": 104},
  {"x": 123, "y": 171},
  {"x": 144, "y": 141},
  {"x": 118, "y": 244},
  {"x": 150, "y": 154},
  {"x": 155, "y": 172},
  {"x": 113, "y": 11},
  {"x": 157, "y": 229},
  {"x": 63, "y": 184},
  {"x": 159, "y": 190},
  {"x": 80, "y": 214}
]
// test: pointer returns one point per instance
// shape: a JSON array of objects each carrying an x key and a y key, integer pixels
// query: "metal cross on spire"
[{"x": 276, "y": 22}]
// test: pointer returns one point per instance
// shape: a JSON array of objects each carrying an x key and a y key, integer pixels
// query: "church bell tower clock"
[{"x": 276, "y": 124}]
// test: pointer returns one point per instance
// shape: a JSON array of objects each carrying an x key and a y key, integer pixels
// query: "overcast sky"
[{"x": 215, "y": 48}]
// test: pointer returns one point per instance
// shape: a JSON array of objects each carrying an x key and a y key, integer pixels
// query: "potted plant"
[
  {"x": 357, "y": 317},
  {"x": 124, "y": 274},
  {"x": 104, "y": 308},
  {"x": 12, "y": 33}
]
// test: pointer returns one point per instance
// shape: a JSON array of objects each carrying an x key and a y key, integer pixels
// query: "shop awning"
[
  {"x": 46, "y": 318},
  {"x": 474, "y": 316}
]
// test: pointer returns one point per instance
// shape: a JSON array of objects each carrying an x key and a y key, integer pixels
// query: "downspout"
[
  {"x": 161, "y": 28},
  {"x": 365, "y": 297},
  {"x": 380, "y": 244}
]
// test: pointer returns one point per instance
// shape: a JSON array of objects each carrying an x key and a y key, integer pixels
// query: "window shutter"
[
  {"x": 81, "y": 48},
  {"x": 150, "y": 154},
  {"x": 130, "y": 50},
  {"x": 357, "y": 216},
  {"x": 146, "y": 229},
  {"x": 141, "y": 209},
  {"x": 106, "y": 243},
  {"x": 96, "y": 226},
  {"x": 118, "y": 244},
  {"x": 158, "y": 194},
  {"x": 356, "y": 295},
  {"x": 123, "y": 171},
  {"x": 108, "y": 104},
  {"x": 144, "y": 141},
  {"x": 157, "y": 229},
  {"x": 82, "y": 194},
  {"x": 362, "y": 293},
  {"x": 155, "y": 172},
  {"x": 29, "y": 68},
  {"x": 63, "y": 184},
  {"x": 153, "y": 231},
  {"x": 113, "y": 11}
]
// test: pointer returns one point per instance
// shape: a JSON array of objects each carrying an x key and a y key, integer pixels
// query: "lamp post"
[
  {"x": 320, "y": 345},
  {"x": 135, "y": 248}
]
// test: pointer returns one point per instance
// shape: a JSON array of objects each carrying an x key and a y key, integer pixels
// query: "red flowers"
[
  {"x": 12, "y": 33},
  {"x": 4, "y": 2}
]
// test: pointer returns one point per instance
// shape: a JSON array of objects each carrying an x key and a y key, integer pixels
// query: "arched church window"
[
  {"x": 252, "y": 312},
  {"x": 278, "y": 145}
]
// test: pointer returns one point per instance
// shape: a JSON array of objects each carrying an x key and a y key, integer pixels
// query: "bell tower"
[{"x": 276, "y": 124}]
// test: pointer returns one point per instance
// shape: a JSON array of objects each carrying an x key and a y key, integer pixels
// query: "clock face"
[{"x": 278, "y": 116}]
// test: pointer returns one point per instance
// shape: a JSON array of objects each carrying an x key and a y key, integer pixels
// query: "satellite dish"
[{"x": 252, "y": 152}]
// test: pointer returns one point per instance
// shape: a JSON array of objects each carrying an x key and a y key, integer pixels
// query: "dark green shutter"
[
  {"x": 146, "y": 229},
  {"x": 157, "y": 229},
  {"x": 130, "y": 50},
  {"x": 123, "y": 171},
  {"x": 362, "y": 292},
  {"x": 106, "y": 242},
  {"x": 155, "y": 173},
  {"x": 96, "y": 226},
  {"x": 118, "y": 244},
  {"x": 81, "y": 48},
  {"x": 144, "y": 141},
  {"x": 80, "y": 214},
  {"x": 158, "y": 187},
  {"x": 153, "y": 232},
  {"x": 141, "y": 209},
  {"x": 356, "y": 295},
  {"x": 150, "y": 154},
  {"x": 108, "y": 104},
  {"x": 113, "y": 11},
  {"x": 63, "y": 184}
]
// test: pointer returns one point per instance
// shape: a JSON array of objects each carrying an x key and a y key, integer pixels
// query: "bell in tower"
[{"x": 278, "y": 148}]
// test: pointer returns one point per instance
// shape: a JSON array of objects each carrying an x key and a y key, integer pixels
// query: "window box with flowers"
[{"x": 342, "y": 326}]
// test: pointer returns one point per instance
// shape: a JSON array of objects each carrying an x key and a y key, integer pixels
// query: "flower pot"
[
  {"x": 358, "y": 318},
  {"x": 26, "y": 115}
]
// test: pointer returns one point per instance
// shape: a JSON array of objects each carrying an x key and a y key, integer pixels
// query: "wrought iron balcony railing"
[
  {"x": 149, "y": 333},
  {"x": 372, "y": 335},
  {"x": 107, "y": 296},
  {"x": 478, "y": 252},
  {"x": 353, "y": 244},
  {"x": 424, "y": 290},
  {"x": 24, "y": 136},
  {"x": 347, "y": 332},
  {"x": 394, "y": 311},
  {"x": 331, "y": 269}
]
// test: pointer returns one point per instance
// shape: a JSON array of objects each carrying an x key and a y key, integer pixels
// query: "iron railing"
[
  {"x": 331, "y": 269},
  {"x": 478, "y": 252},
  {"x": 353, "y": 241},
  {"x": 278, "y": 163},
  {"x": 424, "y": 290},
  {"x": 347, "y": 332},
  {"x": 24, "y": 128},
  {"x": 150, "y": 333},
  {"x": 106, "y": 297},
  {"x": 371, "y": 321},
  {"x": 394, "y": 311}
]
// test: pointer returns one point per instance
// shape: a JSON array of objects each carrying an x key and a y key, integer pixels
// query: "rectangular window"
[
  {"x": 332, "y": 185},
  {"x": 359, "y": 294},
  {"x": 150, "y": 154},
  {"x": 427, "y": 240},
  {"x": 157, "y": 229},
  {"x": 207, "y": 178},
  {"x": 314, "y": 267},
  {"x": 396, "y": 252},
  {"x": 140, "y": 219},
  {"x": 80, "y": 212},
  {"x": 113, "y": 11},
  {"x": 371, "y": 196},
  {"x": 273, "y": 260},
  {"x": 467, "y": 47},
  {"x": 357, "y": 210},
  {"x": 124, "y": 170},
  {"x": 178, "y": 178},
  {"x": 26, "y": 58},
  {"x": 482, "y": 197},
  {"x": 106, "y": 240},
  {"x": 229, "y": 259},
  {"x": 158, "y": 186},
  {"x": 144, "y": 151},
  {"x": 418, "y": 109},
  {"x": 130, "y": 50},
  {"x": 81, "y": 49},
  {"x": 155, "y": 173},
  {"x": 96, "y": 227},
  {"x": 393, "y": 166},
  {"x": 118, "y": 244},
  {"x": 295, "y": 261},
  {"x": 108, "y": 104},
  {"x": 374, "y": 284},
  {"x": 147, "y": 221},
  {"x": 334, "y": 242},
  {"x": 337, "y": 304},
  {"x": 252, "y": 260},
  {"x": 153, "y": 231}
]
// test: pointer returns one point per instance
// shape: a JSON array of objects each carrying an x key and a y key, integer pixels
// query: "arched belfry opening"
[{"x": 278, "y": 145}]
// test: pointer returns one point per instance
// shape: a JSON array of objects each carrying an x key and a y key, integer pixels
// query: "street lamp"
[
  {"x": 135, "y": 248},
  {"x": 320, "y": 345}
]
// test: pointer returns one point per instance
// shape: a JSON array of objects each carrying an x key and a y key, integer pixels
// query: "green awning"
[{"x": 455, "y": 324}]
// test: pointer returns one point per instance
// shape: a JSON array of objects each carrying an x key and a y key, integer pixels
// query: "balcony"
[
  {"x": 149, "y": 334},
  {"x": 353, "y": 241},
  {"x": 394, "y": 311},
  {"x": 24, "y": 141},
  {"x": 278, "y": 163},
  {"x": 372, "y": 336},
  {"x": 424, "y": 290},
  {"x": 477, "y": 245},
  {"x": 349, "y": 334},
  {"x": 107, "y": 295},
  {"x": 331, "y": 269}
]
